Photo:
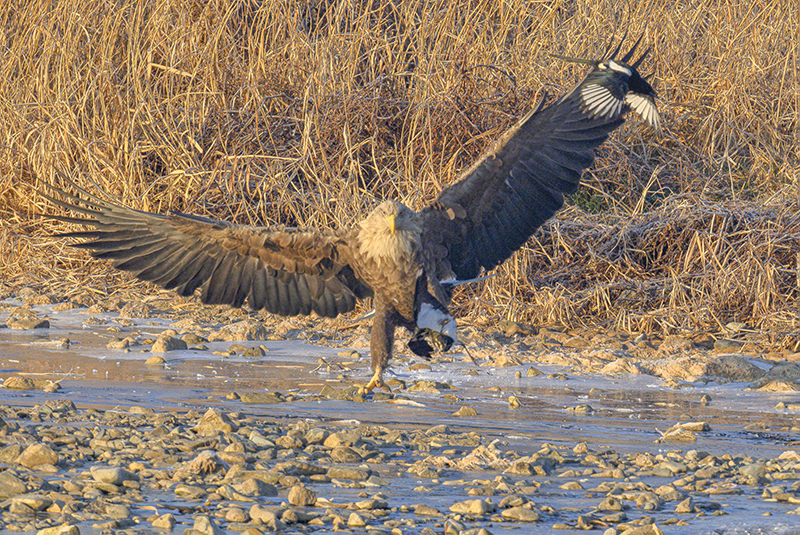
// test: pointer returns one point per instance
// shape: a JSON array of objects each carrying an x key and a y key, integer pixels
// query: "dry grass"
[{"x": 308, "y": 112}]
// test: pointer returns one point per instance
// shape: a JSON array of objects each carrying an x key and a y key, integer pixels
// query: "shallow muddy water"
[{"x": 627, "y": 412}]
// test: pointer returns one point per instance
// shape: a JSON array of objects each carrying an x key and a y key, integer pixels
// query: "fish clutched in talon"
[{"x": 402, "y": 259}]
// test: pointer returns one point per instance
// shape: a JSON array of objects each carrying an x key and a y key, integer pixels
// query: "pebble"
[
  {"x": 37, "y": 455},
  {"x": 472, "y": 507},
  {"x": 203, "y": 525},
  {"x": 165, "y": 521},
  {"x": 522, "y": 514},
  {"x": 300, "y": 495},
  {"x": 167, "y": 343},
  {"x": 114, "y": 475},
  {"x": 214, "y": 422},
  {"x": 63, "y": 529}
]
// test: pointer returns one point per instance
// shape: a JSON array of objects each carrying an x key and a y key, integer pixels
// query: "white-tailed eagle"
[{"x": 404, "y": 260}]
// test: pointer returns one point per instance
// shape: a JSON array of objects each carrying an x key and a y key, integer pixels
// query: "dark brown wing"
[
  {"x": 285, "y": 271},
  {"x": 519, "y": 183}
]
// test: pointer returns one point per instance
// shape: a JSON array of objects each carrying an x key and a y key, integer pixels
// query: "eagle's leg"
[{"x": 380, "y": 346}]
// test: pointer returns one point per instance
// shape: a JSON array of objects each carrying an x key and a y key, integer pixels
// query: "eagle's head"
[{"x": 390, "y": 232}]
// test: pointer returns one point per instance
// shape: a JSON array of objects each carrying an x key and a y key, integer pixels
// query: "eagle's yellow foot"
[{"x": 375, "y": 382}]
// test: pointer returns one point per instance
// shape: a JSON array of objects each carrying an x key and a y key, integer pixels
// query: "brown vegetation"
[{"x": 308, "y": 112}]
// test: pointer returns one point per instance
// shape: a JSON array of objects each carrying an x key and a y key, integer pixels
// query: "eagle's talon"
[{"x": 376, "y": 382}]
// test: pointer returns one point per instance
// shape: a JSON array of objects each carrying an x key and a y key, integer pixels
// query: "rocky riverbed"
[{"x": 157, "y": 415}]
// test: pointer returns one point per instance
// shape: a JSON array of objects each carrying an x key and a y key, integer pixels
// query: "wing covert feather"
[
  {"x": 519, "y": 183},
  {"x": 286, "y": 271}
]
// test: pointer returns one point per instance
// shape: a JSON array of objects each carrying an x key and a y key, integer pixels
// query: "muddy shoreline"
[{"x": 224, "y": 421}]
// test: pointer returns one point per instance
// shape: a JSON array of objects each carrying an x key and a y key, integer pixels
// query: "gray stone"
[
  {"x": 356, "y": 474},
  {"x": 203, "y": 525},
  {"x": 522, "y": 514},
  {"x": 300, "y": 495},
  {"x": 610, "y": 503},
  {"x": 214, "y": 422},
  {"x": 11, "y": 485},
  {"x": 166, "y": 343},
  {"x": 166, "y": 521},
  {"x": 64, "y": 529},
  {"x": 342, "y": 439},
  {"x": 117, "y": 510},
  {"x": 36, "y": 502},
  {"x": 256, "y": 487},
  {"x": 37, "y": 455},
  {"x": 472, "y": 507},
  {"x": 114, "y": 475}
]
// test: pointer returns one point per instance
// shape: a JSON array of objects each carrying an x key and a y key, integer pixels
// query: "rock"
[
  {"x": 64, "y": 529},
  {"x": 522, "y": 514},
  {"x": 214, "y": 422},
  {"x": 165, "y": 521},
  {"x": 206, "y": 462},
  {"x": 11, "y": 485},
  {"x": 35, "y": 502},
  {"x": 114, "y": 475},
  {"x": 427, "y": 510},
  {"x": 727, "y": 345},
  {"x": 27, "y": 383},
  {"x": 429, "y": 386},
  {"x": 472, "y": 507},
  {"x": 300, "y": 495},
  {"x": 255, "y": 487},
  {"x": 677, "y": 434},
  {"x": 685, "y": 507},
  {"x": 155, "y": 360},
  {"x": 342, "y": 439},
  {"x": 675, "y": 345},
  {"x": 355, "y": 521},
  {"x": 204, "y": 526},
  {"x": 532, "y": 466},
  {"x": 372, "y": 504},
  {"x": 668, "y": 468},
  {"x": 123, "y": 343},
  {"x": 649, "y": 529},
  {"x": 37, "y": 455},
  {"x": 754, "y": 470},
  {"x": 166, "y": 343},
  {"x": 610, "y": 503},
  {"x": 243, "y": 330},
  {"x": 235, "y": 514},
  {"x": 343, "y": 454},
  {"x": 262, "y": 398},
  {"x": 356, "y": 474},
  {"x": 466, "y": 411},
  {"x": 267, "y": 515},
  {"x": 533, "y": 372},
  {"x": 778, "y": 386},
  {"x": 31, "y": 322},
  {"x": 117, "y": 511},
  {"x": 135, "y": 309}
]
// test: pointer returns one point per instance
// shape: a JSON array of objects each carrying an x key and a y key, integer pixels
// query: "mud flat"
[{"x": 140, "y": 416}]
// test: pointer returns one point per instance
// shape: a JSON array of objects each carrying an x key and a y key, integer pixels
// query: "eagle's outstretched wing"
[
  {"x": 285, "y": 271},
  {"x": 517, "y": 185}
]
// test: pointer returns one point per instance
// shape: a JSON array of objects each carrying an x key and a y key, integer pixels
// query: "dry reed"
[{"x": 308, "y": 112}]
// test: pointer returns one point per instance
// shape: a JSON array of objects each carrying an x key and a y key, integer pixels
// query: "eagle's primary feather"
[{"x": 401, "y": 258}]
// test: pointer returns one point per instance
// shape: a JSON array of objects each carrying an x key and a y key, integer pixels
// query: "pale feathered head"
[{"x": 390, "y": 232}]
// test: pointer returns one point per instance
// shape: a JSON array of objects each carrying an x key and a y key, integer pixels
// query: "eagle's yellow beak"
[{"x": 390, "y": 220}]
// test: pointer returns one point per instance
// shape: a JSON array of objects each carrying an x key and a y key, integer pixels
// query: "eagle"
[{"x": 406, "y": 261}]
